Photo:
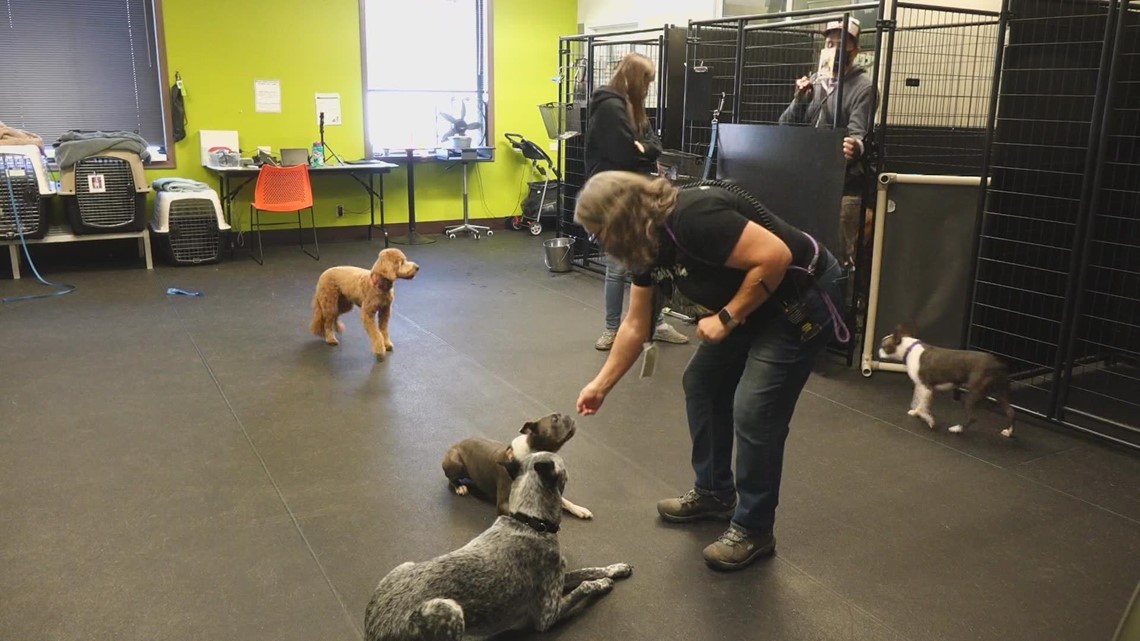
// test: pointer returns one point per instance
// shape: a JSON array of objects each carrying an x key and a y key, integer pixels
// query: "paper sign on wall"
[
  {"x": 267, "y": 96},
  {"x": 329, "y": 105},
  {"x": 96, "y": 184}
]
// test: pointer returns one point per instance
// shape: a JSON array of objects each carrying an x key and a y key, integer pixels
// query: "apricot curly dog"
[{"x": 340, "y": 288}]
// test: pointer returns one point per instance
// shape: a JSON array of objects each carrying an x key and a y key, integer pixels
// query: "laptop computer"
[{"x": 296, "y": 156}]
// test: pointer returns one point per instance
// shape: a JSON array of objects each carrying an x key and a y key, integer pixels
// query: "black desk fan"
[{"x": 459, "y": 125}]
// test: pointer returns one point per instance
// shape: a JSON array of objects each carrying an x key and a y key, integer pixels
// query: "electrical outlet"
[{"x": 339, "y": 211}]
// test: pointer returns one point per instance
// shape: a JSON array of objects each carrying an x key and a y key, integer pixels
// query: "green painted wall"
[{"x": 221, "y": 46}]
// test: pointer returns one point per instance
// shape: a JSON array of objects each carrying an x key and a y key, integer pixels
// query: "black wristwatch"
[{"x": 726, "y": 318}]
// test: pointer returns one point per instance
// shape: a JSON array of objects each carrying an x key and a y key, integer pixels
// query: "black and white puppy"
[
  {"x": 510, "y": 577},
  {"x": 478, "y": 461},
  {"x": 936, "y": 368}
]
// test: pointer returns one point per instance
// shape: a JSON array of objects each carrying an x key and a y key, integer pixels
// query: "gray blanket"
[
  {"x": 180, "y": 184},
  {"x": 75, "y": 146}
]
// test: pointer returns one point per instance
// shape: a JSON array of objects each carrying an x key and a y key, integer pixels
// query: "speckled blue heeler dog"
[{"x": 510, "y": 577}]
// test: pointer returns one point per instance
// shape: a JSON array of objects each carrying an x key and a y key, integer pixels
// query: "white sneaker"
[
  {"x": 667, "y": 334},
  {"x": 604, "y": 343}
]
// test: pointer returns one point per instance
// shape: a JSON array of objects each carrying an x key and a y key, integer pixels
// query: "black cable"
[{"x": 763, "y": 216}]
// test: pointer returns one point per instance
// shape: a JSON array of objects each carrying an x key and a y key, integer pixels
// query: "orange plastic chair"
[{"x": 283, "y": 190}]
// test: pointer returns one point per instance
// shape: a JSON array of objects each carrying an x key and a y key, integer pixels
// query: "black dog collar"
[{"x": 541, "y": 526}]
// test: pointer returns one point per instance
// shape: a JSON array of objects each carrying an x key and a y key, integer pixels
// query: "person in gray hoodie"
[{"x": 814, "y": 105}]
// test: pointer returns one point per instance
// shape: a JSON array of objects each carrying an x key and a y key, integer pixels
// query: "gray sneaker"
[
  {"x": 738, "y": 548},
  {"x": 666, "y": 333},
  {"x": 695, "y": 507},
  {"x": 604, "y": 343}
]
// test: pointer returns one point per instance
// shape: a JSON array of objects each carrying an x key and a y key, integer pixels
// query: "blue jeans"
[
  {"x": 617, "y": 281},
  {"x": 747, "y": 387}
]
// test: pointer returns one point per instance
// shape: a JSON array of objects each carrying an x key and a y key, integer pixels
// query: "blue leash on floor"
[
  {"x": 182, "y": 292},
  {"x": 61, "y": 288}
]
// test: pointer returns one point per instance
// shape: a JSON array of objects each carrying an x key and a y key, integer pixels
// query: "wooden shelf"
[{"x": 63, "y": 234}]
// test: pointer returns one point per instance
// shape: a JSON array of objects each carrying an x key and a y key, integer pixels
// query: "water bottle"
[{"x": 317, "y": 158}]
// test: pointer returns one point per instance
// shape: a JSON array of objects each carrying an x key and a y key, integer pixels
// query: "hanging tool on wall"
[
  {"x": 707, "y": 174},
  {"x": 178, "y": 106}
]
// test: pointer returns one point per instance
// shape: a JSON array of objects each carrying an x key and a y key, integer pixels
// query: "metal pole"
[
  {"x": 930, "y": 179},
  {"x": 783, "y": 14},
  {"x": 931, "y": 7},
  {"x": 1109, "y": 66},
  {"x": 690, "y": 62},
  {"x": 843, "y": 36},
  {"x": 987, "y": 147},
  {"x": 564, "y": 63},
  {"x": 885, "y": 120},
  {"x": 738, "y": 75},
  {"x": 869, "y": 327}
]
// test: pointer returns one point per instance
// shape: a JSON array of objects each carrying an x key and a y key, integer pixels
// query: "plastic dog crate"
[
  {"x": 105, "y": 194},
  {"x": 23, "y": 168},
  {"x": 189, "y": 227}
]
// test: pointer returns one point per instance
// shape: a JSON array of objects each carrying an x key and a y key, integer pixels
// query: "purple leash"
[{"x": 842, "y": 334}]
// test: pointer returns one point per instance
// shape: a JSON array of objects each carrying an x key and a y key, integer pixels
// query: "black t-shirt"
[{"x": 699, "y": 236}]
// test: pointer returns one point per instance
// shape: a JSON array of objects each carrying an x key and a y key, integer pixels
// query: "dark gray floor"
[{"x": 203, "y": 468}]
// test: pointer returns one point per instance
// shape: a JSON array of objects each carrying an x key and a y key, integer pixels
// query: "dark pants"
[{"x": 746, "y": 387}]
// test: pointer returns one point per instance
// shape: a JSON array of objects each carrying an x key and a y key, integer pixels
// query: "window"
[
  {"x": 83, "y": 64},
  {"x": 424, "y": 60}
]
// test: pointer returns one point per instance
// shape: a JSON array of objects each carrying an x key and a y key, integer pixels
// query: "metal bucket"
[{"x": 559, "y": 254}]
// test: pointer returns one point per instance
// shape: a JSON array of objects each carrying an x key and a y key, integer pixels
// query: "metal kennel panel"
[
  {"x": 105, "y": 192},
  {"x": 1046, "y": 109},
  {"x": 712, "y": 50},
  {"x": 574, "y": 89},
  {"x": 588, "y": 62},
  {"x": 779, "y": 51},
  {"x": 752, "y": 62},
  {"x": 1057, "y": 287},
  {"x": 1100, "y": 388},
  {"x": 937, "y": 89}
]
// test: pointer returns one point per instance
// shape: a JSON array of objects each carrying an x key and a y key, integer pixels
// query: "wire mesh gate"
[
  {"x": 587, "y": 62},
  {"x": 937, "y": 80},
  {"x": 750, "y": 65},
  {"x": 933, "y": 68},
  {"x": 1057, "y": 286}
]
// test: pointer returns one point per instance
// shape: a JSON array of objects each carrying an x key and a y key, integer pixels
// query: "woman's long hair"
[
  {"x": 632, "y": 78},
  {"x": 625, "y": 210}
]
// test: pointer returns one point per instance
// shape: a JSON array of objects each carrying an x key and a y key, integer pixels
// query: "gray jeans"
[{"x": 617, "y": 281}]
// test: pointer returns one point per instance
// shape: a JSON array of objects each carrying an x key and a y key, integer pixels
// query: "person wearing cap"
[{"x": 813, "y": 104}]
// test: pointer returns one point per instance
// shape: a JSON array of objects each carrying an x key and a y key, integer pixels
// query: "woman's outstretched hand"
[{"x": 590, "y": 399}]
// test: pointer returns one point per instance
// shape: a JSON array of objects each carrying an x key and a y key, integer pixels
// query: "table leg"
[
  {"x": 413, "y": 237},
  {"x": 383, "y": 224},
  {"x": 371, "y": 206},
  {"x": 146, "y": 244},
  {"x": 225, "y": 194},
  {"x": 14, "y": 255},
  {"x": 226, "y": 210}
]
